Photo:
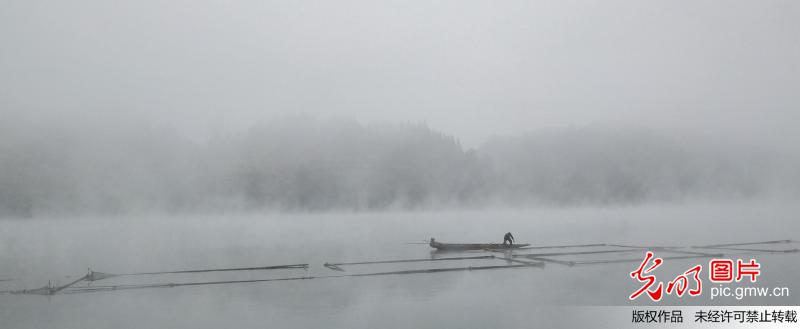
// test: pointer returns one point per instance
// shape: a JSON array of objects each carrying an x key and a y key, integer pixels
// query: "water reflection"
[{"x": 38, "y": 251}]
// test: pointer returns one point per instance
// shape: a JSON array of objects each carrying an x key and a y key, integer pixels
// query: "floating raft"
[
  {"x": 518, "y": 256},
  {"x": 207, "y": 283},
  {"x": 679, "y": 252}
]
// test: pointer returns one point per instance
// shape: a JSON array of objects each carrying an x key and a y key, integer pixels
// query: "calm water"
[{"x": 61, "y": 249}]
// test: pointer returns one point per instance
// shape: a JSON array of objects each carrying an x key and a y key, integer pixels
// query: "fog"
[
  {"x": 360, "y": 106},
  {"x": 161, "y": 162},
  {"x": 305, "y": 163},
  {"x": 468, "y": 68}
]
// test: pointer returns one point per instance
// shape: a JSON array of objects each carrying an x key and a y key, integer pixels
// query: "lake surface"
[{"x": 34, "y": 252}]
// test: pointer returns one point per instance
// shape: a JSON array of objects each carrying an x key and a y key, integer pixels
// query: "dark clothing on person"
[{"x": 508, "y": 237}]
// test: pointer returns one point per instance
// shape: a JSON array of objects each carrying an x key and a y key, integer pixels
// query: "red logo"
[
  {"x": 720, "y": 270},
  {"x": 753, "y": 269},
  {"x": 682, "y": 282},
  {"x": 648, "y": 280},
  {"x": 679, "y": 285}
]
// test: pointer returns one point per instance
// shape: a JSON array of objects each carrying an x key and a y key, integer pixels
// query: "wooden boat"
[{"x": 473, "y": 246}]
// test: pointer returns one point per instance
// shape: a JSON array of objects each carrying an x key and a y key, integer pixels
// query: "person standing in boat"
[{"x": 508, "y": 237}]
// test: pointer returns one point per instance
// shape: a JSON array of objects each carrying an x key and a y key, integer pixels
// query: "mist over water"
[
  {"x": 306, "y": 163},
  {"x": 60, "y": 250},
  {"x": 143, "y": 136},
  {"x": 152, "y": 107}
]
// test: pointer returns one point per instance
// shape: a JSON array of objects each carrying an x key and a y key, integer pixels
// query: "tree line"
[{"x": 309, "y": 164}]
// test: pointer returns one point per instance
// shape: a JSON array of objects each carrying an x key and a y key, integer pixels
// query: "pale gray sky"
[{"x": 469, "y": 68}]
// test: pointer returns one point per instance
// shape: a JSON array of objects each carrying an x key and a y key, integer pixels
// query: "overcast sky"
[{"x": 469, "y": 68}]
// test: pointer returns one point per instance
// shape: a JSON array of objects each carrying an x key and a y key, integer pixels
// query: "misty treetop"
[{"x": 307, "y": 164}]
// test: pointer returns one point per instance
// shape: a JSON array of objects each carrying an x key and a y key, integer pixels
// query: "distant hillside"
[
  {"x": 306, "y": 164},
  {"x": 610, "y": 165}
]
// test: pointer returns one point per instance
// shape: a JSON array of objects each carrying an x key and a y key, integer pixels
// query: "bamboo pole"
[
  {"x": 95, "y": 276},
  {"x": 411, "y": 260},
  {"x": 744, "y": 244},
  {"x": 404, "y": 272}
]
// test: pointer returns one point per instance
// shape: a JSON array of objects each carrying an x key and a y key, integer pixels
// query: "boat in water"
[{"x": 473, "y": 246}]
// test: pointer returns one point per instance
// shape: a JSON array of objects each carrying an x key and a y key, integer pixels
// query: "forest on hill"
[{"x": 303, "y": 164}]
